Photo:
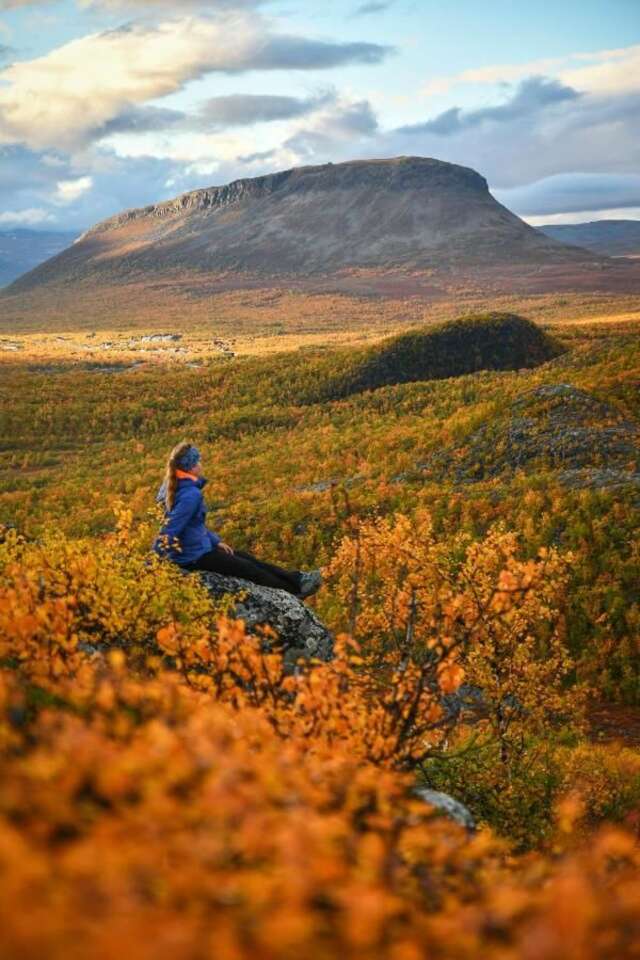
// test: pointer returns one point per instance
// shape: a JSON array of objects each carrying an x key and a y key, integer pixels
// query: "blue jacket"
[{"x": 185, "y": 524}]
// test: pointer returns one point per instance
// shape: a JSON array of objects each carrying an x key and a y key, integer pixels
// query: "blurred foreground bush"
[{"x": 166, "y": 791}]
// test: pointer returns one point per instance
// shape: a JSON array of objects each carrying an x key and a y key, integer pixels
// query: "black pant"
[{"x": 245, "y": 565}]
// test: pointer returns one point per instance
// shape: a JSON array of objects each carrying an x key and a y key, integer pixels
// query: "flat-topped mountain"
[{"x": 407, "y": 214}]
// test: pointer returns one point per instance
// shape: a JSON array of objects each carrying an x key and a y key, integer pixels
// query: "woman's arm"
[{"x": 179, "y": 516}]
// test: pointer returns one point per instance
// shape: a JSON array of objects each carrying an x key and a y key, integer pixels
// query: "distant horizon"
[
  {"x": 148, "y": 99},
  {"x": 538, "y": 221}
]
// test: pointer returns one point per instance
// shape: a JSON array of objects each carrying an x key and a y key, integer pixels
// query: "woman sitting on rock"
[{"x": 185, "y": 539}]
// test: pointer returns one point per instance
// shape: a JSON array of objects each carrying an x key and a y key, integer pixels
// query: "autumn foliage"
[
  {"x": 167, "y": 789},
  {"x": 73, "y": 437}
]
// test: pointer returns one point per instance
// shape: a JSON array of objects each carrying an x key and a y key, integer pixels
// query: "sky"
[{"x": 112, "y": 104}]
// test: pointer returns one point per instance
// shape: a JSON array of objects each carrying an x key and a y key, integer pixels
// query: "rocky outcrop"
[
  {"x": 300, "y": 632},
  {"x": 556, "y": 426}
]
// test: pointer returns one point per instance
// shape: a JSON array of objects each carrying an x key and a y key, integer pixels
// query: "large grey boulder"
[{"x": 301, "y": 633}]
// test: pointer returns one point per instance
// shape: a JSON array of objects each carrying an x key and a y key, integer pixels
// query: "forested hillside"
[{"x": 471, "y": 492}]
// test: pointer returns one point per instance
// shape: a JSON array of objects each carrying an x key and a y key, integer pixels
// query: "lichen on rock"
[
  {"x": 555, "y": 426},
  {"x": 299, "y": 630}
]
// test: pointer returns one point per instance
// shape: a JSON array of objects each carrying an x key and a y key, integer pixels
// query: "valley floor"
[{"x": 137, "y": 327}]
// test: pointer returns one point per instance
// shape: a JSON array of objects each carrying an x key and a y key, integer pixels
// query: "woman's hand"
[{"x": 225, "y": 547}]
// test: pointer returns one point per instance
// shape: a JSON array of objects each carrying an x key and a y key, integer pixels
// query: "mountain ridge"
[
  {"x": 613, "y": 238},
  {"x": 204, "y": 198},
  {"x": 401, "y": 214}
]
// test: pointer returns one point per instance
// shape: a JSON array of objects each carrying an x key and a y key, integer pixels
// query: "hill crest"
[{"x": 396, "y": 173}]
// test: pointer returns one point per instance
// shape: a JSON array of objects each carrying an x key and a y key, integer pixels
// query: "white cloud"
[
  {"x": 339, "y": 123},
  {"x": 585, "y": 216},
  {"x": 50, "y": 160},
  {"x": 89, "y": 112},
  {"x": 127, "y": 4},
  {"x": 68, "y": 191},
  {"x": 544, "y": 151},
  {"x": 169, "y": 4},
  {"x": 30, "y": 217},
  {"x": 76, "y": 88},
  {"x": 13, "y": 4},
  {"x": 541, "y": 131},
  {"x": 117, "y": 184},
  {"x": 616, "y": 70},
  {"x": 491, "y": 74},
  {"x": 345, "y": 122},
  {"x": 64, "y": 98}
]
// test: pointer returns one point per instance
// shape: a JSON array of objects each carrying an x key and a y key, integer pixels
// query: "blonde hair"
[{"x": 170, "y": 479}]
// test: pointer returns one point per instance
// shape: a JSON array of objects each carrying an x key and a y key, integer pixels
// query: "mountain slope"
[
  {"x": 22, "y": 250},
  {"x": 408, "y": 213},
  {"x": 614, "y": 238}
]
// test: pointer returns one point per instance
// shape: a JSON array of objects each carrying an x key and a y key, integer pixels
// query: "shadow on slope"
[{"x": 488, "y": 341}]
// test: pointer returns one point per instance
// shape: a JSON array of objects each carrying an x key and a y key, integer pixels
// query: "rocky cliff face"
[{"x": 407, "y": 213}]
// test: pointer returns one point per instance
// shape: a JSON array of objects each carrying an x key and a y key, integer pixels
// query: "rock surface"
[
  {"x": 447, "y": 805},
  {"x": 556, "y": 426},
  {"x": 302, "y": 634}
]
